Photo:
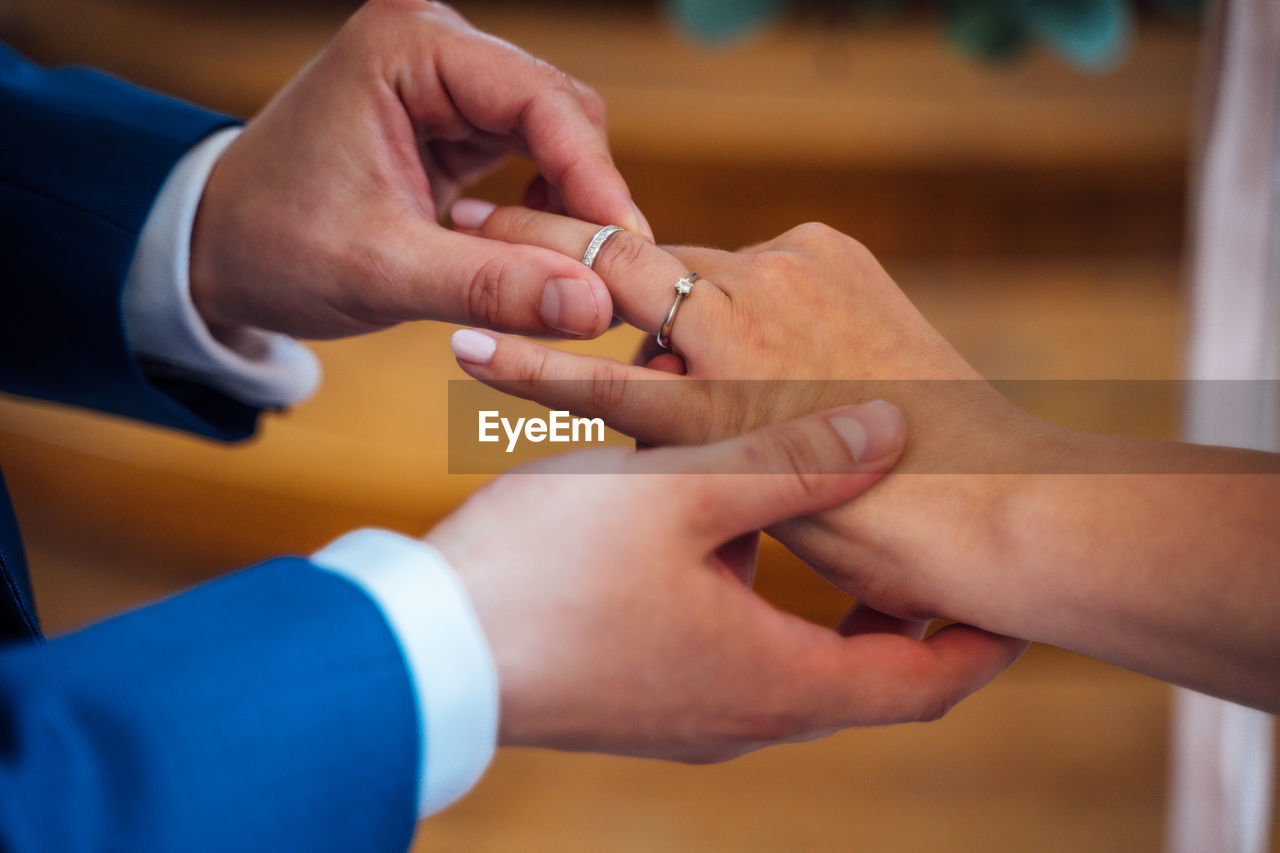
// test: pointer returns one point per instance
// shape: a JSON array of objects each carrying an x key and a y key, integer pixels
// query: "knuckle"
[
  {"x": 606, "y": 389},
  {"x": 792, "y": 453},
  {"x": 723, "y": 415},
  {"x": 785, "y": 265},
  {"x": 702, "y": 497},
  {"x": 592, "y": 103},
  {"x": 936, "y": 705},
  {"x": 561, "y": 82},
  {"x": 812, "y": 234},
  {"x": 509, "y": 223},
  {"x": 551, "y": 78},
  {"x": 485, "y": 293},
  {"x": 821, "y": 240},
  {"x": 722, "y": 419},
  {"x": 444, "y": 7},
  {"x": 620, "y": 253},
  {"x": 405, "y": 6},
  {"x": 531, "y": 367},
  {"x": 442, "y": 13},
  {"x": 856, "y": 254}
]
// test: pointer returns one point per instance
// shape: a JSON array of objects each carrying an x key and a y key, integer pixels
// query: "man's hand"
[
  {"x": 614, "y": 589},
  {"x": 322, "y": 218}
]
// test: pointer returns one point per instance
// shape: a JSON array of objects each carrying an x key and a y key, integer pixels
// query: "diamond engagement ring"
[
  {"x": 683, "y": 288},
  {"x": 598, "y": 241}
]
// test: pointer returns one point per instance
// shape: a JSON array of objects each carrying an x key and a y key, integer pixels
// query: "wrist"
[
  {"x": 206, "y": 294},
  {"x": 502, "y": 628},
  {"x": 446, "y": 653},
  {"x": 931, "y": 540},
  {"x": 983, "y": 579}
]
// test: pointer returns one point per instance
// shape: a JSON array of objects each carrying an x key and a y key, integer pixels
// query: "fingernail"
[
  {"x": 642, "y": 224},
  {"x": 872, "y": 430},
  {"x": 472, "y": 346},
  {"x": 568, "y": 306},
  {"x": 471, "y": 213}
]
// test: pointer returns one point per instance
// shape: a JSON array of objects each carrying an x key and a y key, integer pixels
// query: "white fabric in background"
[{"x": 1222, "y": 754}]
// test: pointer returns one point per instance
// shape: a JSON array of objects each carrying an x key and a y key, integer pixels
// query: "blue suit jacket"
[{"x": 270, "y": 710}]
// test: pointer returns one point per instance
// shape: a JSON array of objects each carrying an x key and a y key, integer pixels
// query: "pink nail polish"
[
  {"x": 471, "y": 213},
  {"x": 471, "y": 346}
]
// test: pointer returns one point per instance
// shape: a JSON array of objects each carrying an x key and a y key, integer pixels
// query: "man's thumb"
[
  {"x": 508, "y": 287},
  {"x": 798, "y": 467}
]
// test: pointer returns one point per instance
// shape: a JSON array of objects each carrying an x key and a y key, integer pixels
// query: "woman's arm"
[{"x": 1174, "y": 575}]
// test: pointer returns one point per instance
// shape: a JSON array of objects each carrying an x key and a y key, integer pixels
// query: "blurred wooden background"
[{"x": 1035, "y": 214}]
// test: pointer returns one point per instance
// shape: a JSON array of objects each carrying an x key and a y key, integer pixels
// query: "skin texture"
[
  {"x": 1157, "y": 556},
  {"x": 322, "y": 219},
  {"x": 638, "y": 633}
]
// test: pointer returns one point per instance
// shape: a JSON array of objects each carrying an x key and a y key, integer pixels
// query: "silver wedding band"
[
  {"x": 683, "y": 287},
  {"x": 597, "y": 242}
]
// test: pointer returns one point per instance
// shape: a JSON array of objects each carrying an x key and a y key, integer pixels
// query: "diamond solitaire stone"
[{"x": 683, "y": 286}]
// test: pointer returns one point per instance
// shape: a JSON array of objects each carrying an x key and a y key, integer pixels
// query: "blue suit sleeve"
[
  {"x": 82, "y": 157},
  {"x": 268, "y": 710}
]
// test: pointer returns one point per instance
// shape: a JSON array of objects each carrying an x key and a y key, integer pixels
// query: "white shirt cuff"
[
  {"x": 454, "y": 678},
  {"x": 161, "y": 322}
]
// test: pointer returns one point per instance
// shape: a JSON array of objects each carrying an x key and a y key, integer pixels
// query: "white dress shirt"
[
  {"x": 446, "y": 655},
  {"x": 161, "y": 322}
]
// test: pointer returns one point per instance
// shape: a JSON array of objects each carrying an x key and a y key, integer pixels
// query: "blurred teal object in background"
[
  {"x": 719, "y": 21},
  {"x": 1094, "y": 35},
  {"x": 1091, "y": 34}
]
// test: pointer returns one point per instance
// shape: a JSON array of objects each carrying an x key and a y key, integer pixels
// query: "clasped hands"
[
  {"x": 617, "y": 604},
  {"x": 808, "y": 322},
  {"x": 649, "y": 556}
]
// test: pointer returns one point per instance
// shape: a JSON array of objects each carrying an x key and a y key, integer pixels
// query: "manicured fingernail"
[
  {"x": 568, "y": 306},
  {"x": 471, "y": 213},
  {"x": 472, "y": 346},
  {"x": 642, "y": 226},
  {"x": 872, "y": 430}
]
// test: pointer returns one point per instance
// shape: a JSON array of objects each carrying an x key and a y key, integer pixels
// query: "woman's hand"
[
  {"x": 804, "y": 322},
  {"x": 323, "y": 218},
  {"x": 613, "y": 587}
]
